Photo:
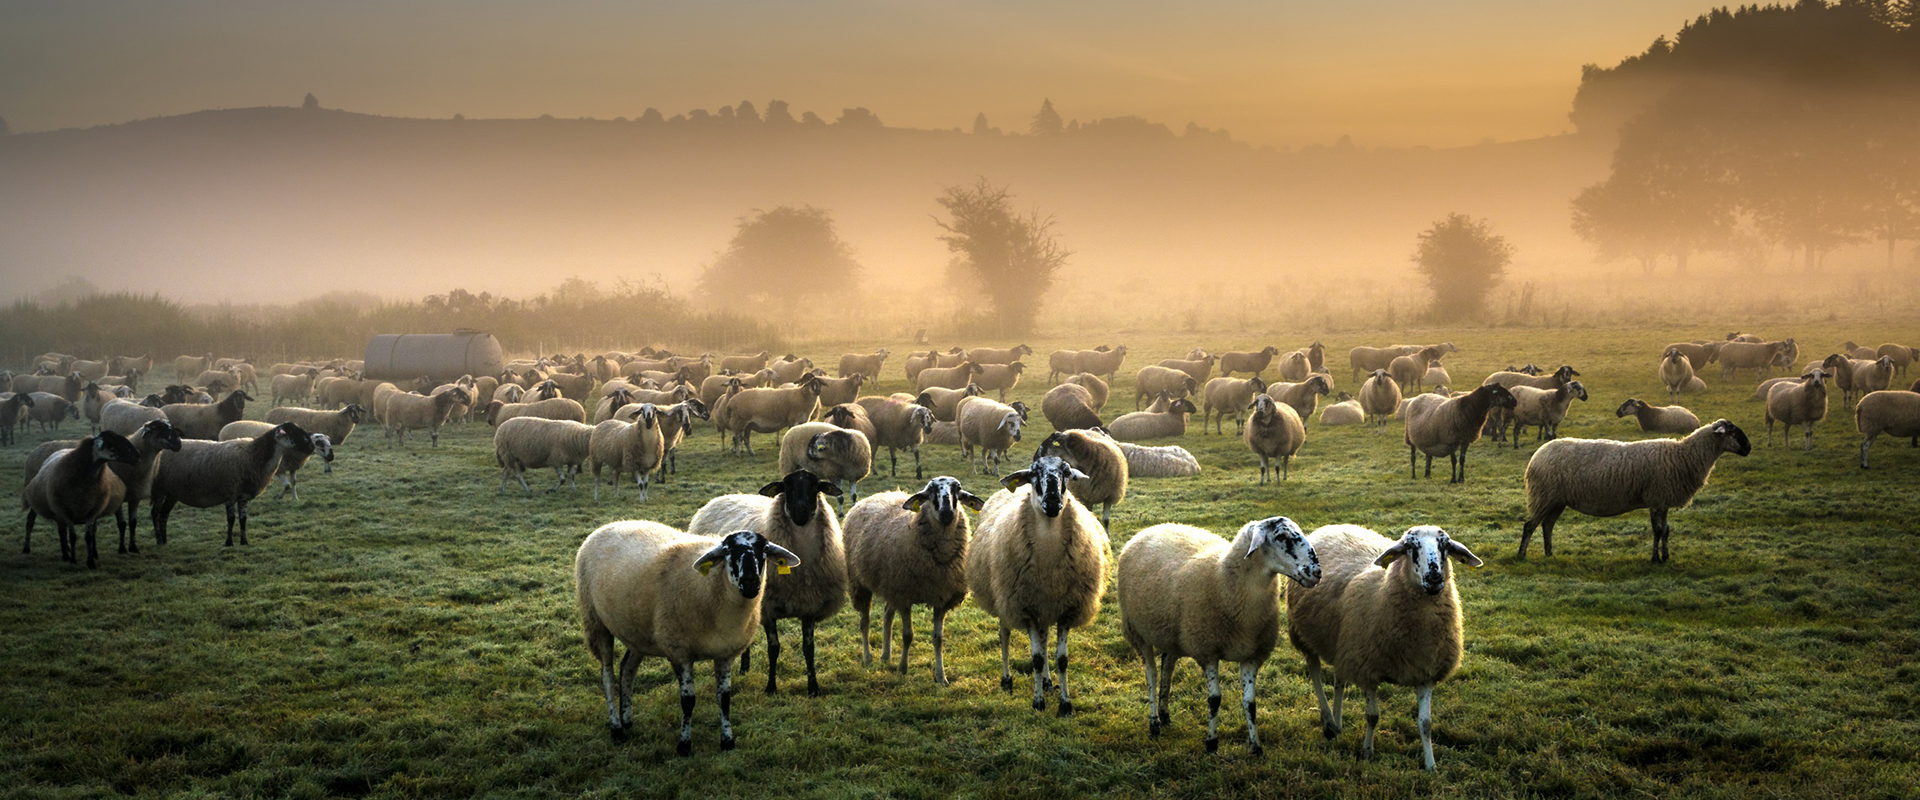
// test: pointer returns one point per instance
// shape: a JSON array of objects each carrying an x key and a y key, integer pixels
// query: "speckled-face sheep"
[
  {"x": 948, "y": 377},
  {"x": 794, "y": 514},
  {"x": 1100, "y": 362},
  {"x": 898, "y": 425},
  {"x": 1891, "y": 412},
  {"x": 206, "y": 474},
  {"x": 1069, "y": 406},
  {"x": 636, "y": 447},
  {"x": 837, "y": 455},
  {"x": 337, "y": 425},
  {"x": 1345, "y": 412},
  {"x": 1303, "y": 397},
  {"x": 1801, "y": 402},
  {"x": 998, "y": 355},
  {"x": 1038, "y": 561},
  {"x": 290, "y": 464},
  {"x": 524, "y": 443},
  {"x": 1240, "y": 361},
  {"x": 1760, "y": 356},
  {"x": 1605, "y": 478},
  {"x": 1153, "y": 424},
  {"x": 909, "y": 550},
  {"x": 1411, "y": 369},
  {"x": 1382, "y": 612},
  {"x": 1187, "y": 593},
  {"x": 1224, "y": 397},
  {"x": 1445, "y": 426},
  {"x": 1544, "y": 408},
  {"x": 655, "y": 589},
  {"x": 1379, "y": 398},
  {"x": 1659, "y": 419},
  {"x": 991, "y": 427},
  {"x": 1676, "y": 370},
  {"x": 1099, "y": 457},
  {"x": 75, "y": 488},
  {"x": 754, "y": 411},
  {"x": 205, "y": 421},
  {"x": 1274, "y": 431},
  {"x": 412, "y": 412},
  {"x": 1902, "y": 356}
]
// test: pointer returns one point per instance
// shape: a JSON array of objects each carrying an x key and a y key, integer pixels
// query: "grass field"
[{"x": 406, "y": 631}]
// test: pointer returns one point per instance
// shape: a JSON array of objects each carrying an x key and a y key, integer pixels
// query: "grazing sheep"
[
  {"x": 992, "y": 427},
  {"x": 909, "y": 550},
  {"x": 1544, "y": 409},
  {"x": 1038, "y": 560},
  {"x": 1676, "y": 371},
  {"x": 337, "y": 425},
  {"x": 75, "y": 488},
  {"x": 1892, "y": 412},
  {"x": 1199, "y": 368},
  {"x": 945, "y": 403},
  {"x": 205, "y": 474},
  {"x": 998, "y": 355},
  {"x": 863, "y": 364},
  {"x": 1382, "y": 612},
  {"x": 205, "y": 421},
  {"x": 1761, "y": 356},
  {"x": 1100, "y": 458},
  {"x": 752, "y": 411},
  {"x": 49, "y": 410},
  {"x": 291, "y": 463},
  {"x": 792, "y": 513},
  {"x": 1166, "y": 461},
  {"x": 524, "y": 443},
  {"x": 898, "y": 425},
  {"x": 412, "y": 412},
  {"x": 637, "y": 447},
  {"x": 1187, "y": 593},
  {"x": 1411, "y": 369},
  {"x": 1303, "y": 397},
  {"x": 1803, "y": 402},
  {"x": 948, "y": 377},
  {"x": 835, "y": 454},
  {"x": 1345, "y": 412},
  {"x": 1379, "y": 398},
  {"x": 1659, "y": 419},
  {"x": 1254, "y": 362},
  {"x": 1274, "y": 430},
  {"x": 1154, "y": 424},
  {"x": 1100, "y": 362},
  {"x": 1069, "y": 406},
  {"x": 1605, "y": 478},
  {"x": 1901, "y": 355},
  {"x": 655, "y": 589},
  {"x": 1229, "y": 396},
  {"x": 1153, "y": 381},
  {"x": 1445, "y": 426}
]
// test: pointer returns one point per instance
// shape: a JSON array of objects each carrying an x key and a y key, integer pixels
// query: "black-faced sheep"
[{"x": 909, "y": 550}]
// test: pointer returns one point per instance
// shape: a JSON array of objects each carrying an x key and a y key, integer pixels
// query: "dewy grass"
[{"x": 407, "y": 631}]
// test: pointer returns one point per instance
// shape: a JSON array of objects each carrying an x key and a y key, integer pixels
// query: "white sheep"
[
  {"x": 524, "y": 443},
  {"x": 1892, "y": 412},
  {"x": 1165, "y": 461},
  {"x": 1676, "y": 371},
  {"x": 837, "y": 455},
  {"x": 1346, "y": 411},
  {"x": 909, "y": 550},
  {"x": 1605, "y": 478},
  {"x": 411, "y": 412},
  {"x": 1379, "y": 398},
  {"x": 898, "y": 425},
  {"x": 1382, "y": 612},
  {"x": 637, "y": 447},
  {"x": 1224, "y": 397},
  {"x": 1152, "y": 424},
  {"x": 1187, "y": 593},
  {"x": 337, "y": 425},
  {"x": 1100, "y": 458},
  {"x": 992, "y": 427},
  {"x": 1544, "y": 409},
  {"x": 1274, "y": 431},
  {"x": 1803, "y": 402}
]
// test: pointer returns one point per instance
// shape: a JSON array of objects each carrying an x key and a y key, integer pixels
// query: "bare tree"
[{"x": 1013, "y": 256}]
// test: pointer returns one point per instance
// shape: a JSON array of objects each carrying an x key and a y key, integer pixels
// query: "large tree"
[
  {"x": 1013, "y": 256},
  {"x": 1463, "y": 260},
  {"x": 783, "y": 256}
]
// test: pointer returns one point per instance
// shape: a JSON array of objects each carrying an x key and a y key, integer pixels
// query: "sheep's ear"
[
  {"x": 914, "y": 502},
  {"x": 827, "y": 488},
  {"x": 1460, "y": 553},
  {"x": 1015, "y": 480},
  {"x": 773, "y": 489},
  {"x": 1075, "y": 474},
  {"x": 1255, "y": 541},
  {"x": 1391, "y": 553},
  {"x": 711, "y": 557},
  {"x": 971, "y": 500},
  {"x": 783, "y": 559}
]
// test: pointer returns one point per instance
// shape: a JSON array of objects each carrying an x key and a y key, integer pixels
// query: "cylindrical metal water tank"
[{"x": 440, "y": 356}]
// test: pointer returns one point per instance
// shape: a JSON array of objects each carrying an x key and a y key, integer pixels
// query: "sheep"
[
  {"x": 1605, "y": 478},
  {"x": 205, "y": 421},
  {"x": 997, "y": 355},
  {"x": 1345, "y": 412},
  {"x": 1544, "y": 408},
  {"x": 291, "y": 463},
  {"x": 126, "y": 417},
  {"x": 992, "y": 427},
  {"x": 636, "y": 447},
  {"x": 654, "y": 588},
  {"x": 1436, "y": 375},
  {"x": 337, "y": 425},
  {"x": 1379, "y": 398},
  {"x": 1273, "y": 430},
  {"x": 851, "y": 363},
  {"x": 293, "y": 388},
  {"x": 1154, "y": 424},
  {"x": 205, "y": 474},
  {"x": 1200, "y": 368},
  {"x": 952, "y": 358},
  {"x": 909, "y": 550},
  {"x": 75, "y": 489},
  {"x": 1382, "y": 612},
  {"x": 557, "y": 408},
  {"x": 917, "y": 363},
  {"x": 1254, "y": 362},
  {"x": 1303, "y": 397},
  {"x": 1738, "y": 355},
  {"x": 947, "y": 377},
  {"x": 748, "y": 364},
  {"x": 1295, "y": 366},
  {"x": 604, "y": 410},
  {"x": 217, "y": 377},
  {"x": 1676, "y": 370},
  {"x": 853, "y": 417},
  {"x": 523, "y": 443},
  {"x": 1368, "y": 359},
  {"x": 769, "y": 410},
  {"x": 1803, "y": 402},
  {"x": 1151, "y": 381},
  {"x": 89, "y": 370},
  {"x": 49, "y": 410},
  {"x": 837, "y": 455},
  {"x": 410, "y": 412},
  {"x": 999, "y": 377},
  {"x": 1410, "y": 370},
  {"x": 834, "y": 391},
  {"x": 1100, "y": 458},
  {"x": 1497, "y": 422},
  {"x": 944, "y": 433},
  {"x": 898, "y": 425},
  {"x": 945, "y": 403},
  {"x": 186, "y": 367},
  {"x": 1100, "y": 362},
  {"x": 1659, "y": 419},
  {"x": 1222, "y": 397},
  {"x": 1892, "y": 412},
  {"x": 131, "y": 380},
  {"x": 1447, "y": 425},
  {"x": 1187, "y": 593},
  {"x": 1166, "y": 461},
  {"x": 789, "y": 369},
  {"x": 1901, "y": 355},
  {"x": 1699, "y": 354},
  {"x": 792, "y": 513},
  {"x": 1873, "y": 376},
  {"x": 676, "y": 421},
  {"x": 13, "y": 413}
]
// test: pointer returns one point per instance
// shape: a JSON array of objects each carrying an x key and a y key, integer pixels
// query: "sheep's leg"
[
  {"x": 613, "y": 702},
  {"x": 162, "y": 511},
  {"x": 893, "y": 463},
  {"x": 1373, "y": 721},
  {"x": 133, "y": 527},
  {"x": 806, "y": 650},
  {"x": 1167, "y": 662},
  {"x": 1329, "y": 725},
  {"x": 1429, "y": 465},
  {"x": 629, "y": 666},
  {"x": 1105, "y": 510},
  {"x": 1249, "y": 675},
  {"x": 231, "y": 517},
  {"x": 26, "y": 545},
  {"x": 1006, "y": 671},
  {"x": 1037, "y": 650},
  {"x": 1285, "y": 461},
  {"x": 93, "y": 549},
  {"x": 886, "y": 633},
  {"x": 243, "y": 520},
  {"x": 1153, "y": 711},
  {"x": 940, "y": 647},
  {"x": 863, "y": 603},
  {"x": 1863, "y": 450},
  {"x": 66, "y": 540},
  {"x": 1060, "y": 663},
  {"x": 1661, "y": 532},
  {"x": 723, "y": 686},
  {"x": 1263, "y": 470},
  {"x": 1809, "y": 437},
  {"x": 1212, "y": 670},
  {"x": 916, "y": 461},
  {"x": 685, "y": 747},
  {"x": 521, "y": 475},
  {"x": 906, "y": 634},
  {"x": 772, "y": 630},
  {"x": 1425, "y": 693}
]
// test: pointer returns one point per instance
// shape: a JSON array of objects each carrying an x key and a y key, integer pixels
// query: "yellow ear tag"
[
  {"x": 705, "y": 567},
  {"x": 784, "y": 569}
]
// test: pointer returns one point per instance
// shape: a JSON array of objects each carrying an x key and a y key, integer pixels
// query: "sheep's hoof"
[
  {"x": 685, "y": 748},
  {"x": 616, "y": 733},
  {"x": 726, "y": 744},
  {"x": 1256, "y": 750},
  {"x": 813, "y": 690},
  {"x": 1039, "y": 704},
  {"x": 1213, "y": 745},
  {"x": 1330, "y": 731},
  {"x": 1153, "y": 727},
  {"x": 1066, "y": 708},
  {"x": 1006, "y": 683},
  {"x": 1165, "y": 718}
]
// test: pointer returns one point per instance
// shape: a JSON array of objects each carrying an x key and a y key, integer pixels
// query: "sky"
[{"x": 1288, "y": 74}]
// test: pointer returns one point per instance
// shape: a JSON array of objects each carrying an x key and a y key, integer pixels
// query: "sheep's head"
[
  {"x": 1263, "y": 407},
  {"x": 923, "y": 417},
  {"x": 161, "y": 434},
  {"x": 289, "y": 436},
  {"x": 1318, "y": 384},
  {"x": 945, "y": 496},
  {"x": 1257, "y": 384},
  {"x": 323, "y": 447},
  {"x": 973, "y": 389},
  {"x": 1016, "y": 368},
  {"x": 1012, "y": 424},
  {"x": 746, "y": 554},
  {"x": 110, "y": 447},
  {"x": 1049, "y": 477},
  {"x": 1732, "y": 439},
  {"x": 1344, "y": 397},
  {"x": 798, "y": 494},
  {"x": 1428, "y": 550},
  {"x": 1578, "y": 390},
  {"x": 1021, "y": 408},
  {"x": 1269, "y": 350},
  {"x": 1497, "y": 396},
  {"x": 1022, "y": 350},
  {"x": 1632, "y": 406},
  {"x": 1283, "y": 548},
  {"x": 1815, "y": 377}
]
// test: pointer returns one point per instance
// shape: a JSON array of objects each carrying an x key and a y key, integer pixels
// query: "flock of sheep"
[{"x": 1376, "y": 610}]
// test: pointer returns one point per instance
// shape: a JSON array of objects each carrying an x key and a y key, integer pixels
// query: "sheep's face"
[
  {"x": 1012, "y": 424},
  {"x": 113, "y": 448},
  {"x": 1284, "y": 549},
  {"x": 1577, "y": 390},
  {"x": 745, "y": 555},
  {"x": 943, "y": 498},
  {"x": 1428, "y": 549},
  {"x": 291, "y": 437},
  {"x": 1732, "y": 439},
  {"x": 1631, "y": 406},
  {"x": 1049, "y": 477},
  {"x": 323, "y": 447},
  {"x": 161, "y": 434},
  {"x": 798, "y": 495},
  {"x": 923, "y": 417},
  {"x": 1318, "y": 385},
  {"x": 1498, "y": 396}
]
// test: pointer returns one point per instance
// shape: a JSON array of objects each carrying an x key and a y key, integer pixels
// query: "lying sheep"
[
  {"x": 1229, "y": 396},
  {"x": 337, "y": 425},
  {"x": 1274, "y": 431},
  {"x": 1543, "y": 408},
  {"x": 837, "y": 455},
  {"x": 992, "y": 427},
  {"x": 655, "y": 589},
  {"x": 909, "y": 550},
  {"x": 1095, "y": 387},
  {"x": 1345, "y": 412},
  {"x": 1379, "y": 398},
  {"x": 898, "y": 425},
  {"x": 1303, "y": 397},
  {"x": 636, "y": 447},
  {"x": 1165, "y": 461},
  {"x": 1038, "y": 561},
  {"x": 205, "y": 474},
  {"x": 1803, "y": 402},
  {"x": 1100, "y": 458},
  {"x": 1676, "y": 371},
  {"x": 1604, "y": 478},
  {"x": 524, "y": 443},
  {"x": 1892, "y": 412},
  {"x": 291, "y": 463},
  {"x": 1445, "y": 426},
  {"x": 794, "y": 514},
  {"x": 75, "y": 488},
  {"x": 870, "y": 364},
  {"x": 1659, "y": 419},
  {"x": 1154, "y": 424},
  {"x": 1295, "y": 367},
  {"x": 1382, "y": 612},
  {"x": 1187, "y": 593},
  {"x": 1254, "y": 362}
]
